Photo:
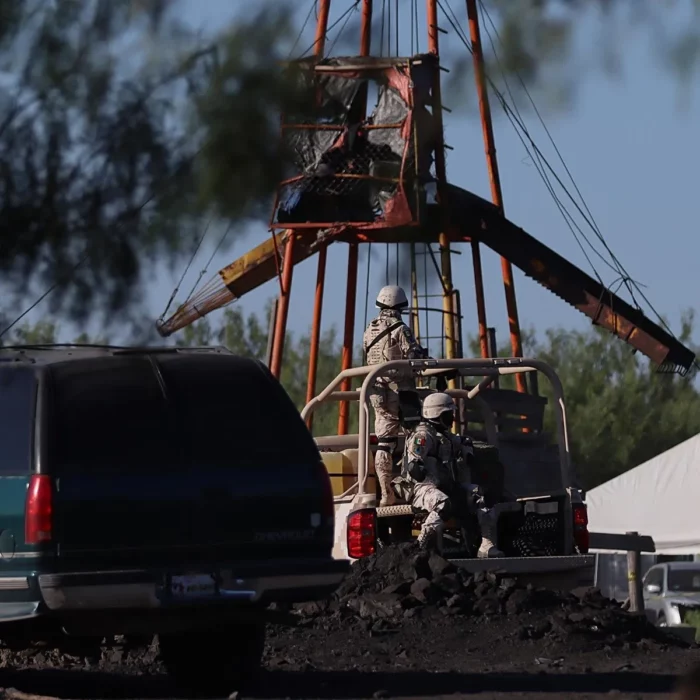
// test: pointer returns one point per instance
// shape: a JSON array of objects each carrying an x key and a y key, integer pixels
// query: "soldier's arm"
[
  {"x": 419, "y": 447},
  {"x": 410, "y": 347}
]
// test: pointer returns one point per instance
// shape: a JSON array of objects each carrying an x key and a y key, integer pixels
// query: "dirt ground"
[{"x": 407, "y": 626}]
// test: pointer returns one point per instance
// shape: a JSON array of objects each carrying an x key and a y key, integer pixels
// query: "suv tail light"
[
  {"x": 362, "y": 533},
  {"x": 581, "y": 537},
  {"x": 38, "y": 512},
  {"x": 328, "y": 506}
]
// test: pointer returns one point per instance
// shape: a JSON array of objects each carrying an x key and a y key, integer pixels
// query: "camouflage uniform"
[
  {"x": 397, "y": 342},
  {"x": 438, "y": 451}
]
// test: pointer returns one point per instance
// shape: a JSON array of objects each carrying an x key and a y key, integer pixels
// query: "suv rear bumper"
[{"x": 146, "y": 590}]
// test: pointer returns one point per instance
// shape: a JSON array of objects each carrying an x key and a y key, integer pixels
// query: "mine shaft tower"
[{"x": 379, "y": 176}]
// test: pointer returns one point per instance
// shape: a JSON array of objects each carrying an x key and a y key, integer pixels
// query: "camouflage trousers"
[
  {"x": 387, "y": 427},
  {"x": 428, "y": 496}
]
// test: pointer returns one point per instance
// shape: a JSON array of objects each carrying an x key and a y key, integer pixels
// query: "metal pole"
[
  {"x": 634, "y": 566},
  {"x": 496, "y": 194},
  {"x": 415, "y": 320},
  {"x": 480, "y": 299},
  {"x": 440, "y": 174},
  {"x": 319, "y": 48},
  {"x": 316, "y": 328},
  {"x": 322, "y": 27},
  {"x": 271, "y": 333},
  {"x": 366, "y": 28},
  {"x": 283, "y": 307},
  {"x": 351, "y": 295},
  {"x": 346, "y": 359}
]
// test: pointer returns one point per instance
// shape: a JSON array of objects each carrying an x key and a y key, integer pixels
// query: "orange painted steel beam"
[
  {"x": 441, "y": 176},
  {"x": 319, "y": 49},
  {"x": 351, "y": 296},
  {"x": 494, "y": 177},
  {"x": 316, "y": 330},
  {"x": 324, "y": 10},
  {"x": 283, "y": 306}
]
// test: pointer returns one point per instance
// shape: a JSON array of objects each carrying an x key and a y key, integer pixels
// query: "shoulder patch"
[{"x": 419, "y": 441}]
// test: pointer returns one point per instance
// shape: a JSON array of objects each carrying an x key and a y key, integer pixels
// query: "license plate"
[{"x": 193, "y": 585}]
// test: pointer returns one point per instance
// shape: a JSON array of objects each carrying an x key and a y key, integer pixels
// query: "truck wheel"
[{"x": 217, "y": 660}]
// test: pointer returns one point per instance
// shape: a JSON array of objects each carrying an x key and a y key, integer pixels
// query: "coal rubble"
[{"x": 400, "y": 585}]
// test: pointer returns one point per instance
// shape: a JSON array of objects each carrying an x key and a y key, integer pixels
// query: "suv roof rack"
[{"x": 52, "y": 352}]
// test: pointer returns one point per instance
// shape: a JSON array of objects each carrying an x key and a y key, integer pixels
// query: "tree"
[
  {"x": 99, "y": 138},
  {"x": 620, "y": 411},
  {"x": 122, "y": 132},
  {"x": 43, "y": 333}
]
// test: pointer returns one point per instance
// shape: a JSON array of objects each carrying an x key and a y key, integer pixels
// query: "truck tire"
[{"x": 217, "y": 660}]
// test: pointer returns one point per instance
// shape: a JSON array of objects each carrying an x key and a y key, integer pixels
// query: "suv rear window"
[
  {"x": 17, "y": 408},
  {"x": 109, "y": 414},
  {"x": 231, "y": 410},
  {"x": 204, "y": 411}
]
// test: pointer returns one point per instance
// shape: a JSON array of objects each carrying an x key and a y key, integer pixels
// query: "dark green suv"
[{"x": 156, "y": 491}]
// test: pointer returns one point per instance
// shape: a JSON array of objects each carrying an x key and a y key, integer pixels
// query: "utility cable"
[
  {"x": 314, "y": 6},
  {"x": 518, "y": 124},
  {"x": 350, "y": 9}
]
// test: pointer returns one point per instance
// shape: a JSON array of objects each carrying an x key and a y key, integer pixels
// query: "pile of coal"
[
  {"x": 118, "y": 656},
  {"x": 400, "y": 583}
]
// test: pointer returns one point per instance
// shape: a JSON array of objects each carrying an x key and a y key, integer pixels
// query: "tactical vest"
[{"x": 380, "y": 346}]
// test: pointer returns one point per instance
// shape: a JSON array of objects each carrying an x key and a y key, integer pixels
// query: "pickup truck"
[
  {"x": 542, "y": 517},
  {"x": 164, "y": 491}
]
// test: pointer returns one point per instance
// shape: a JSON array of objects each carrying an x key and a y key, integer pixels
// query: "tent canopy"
[{"x": 660, "y": 498}]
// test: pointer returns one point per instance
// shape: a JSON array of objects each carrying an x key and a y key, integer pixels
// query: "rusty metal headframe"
[{"x": 352, "y": 169}]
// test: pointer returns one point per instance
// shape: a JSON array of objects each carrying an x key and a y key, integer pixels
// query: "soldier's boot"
[
  {"x": 488, "y": 548},
  {"x": 383, "y": 467},
  {"x": 431, "y": 533}
]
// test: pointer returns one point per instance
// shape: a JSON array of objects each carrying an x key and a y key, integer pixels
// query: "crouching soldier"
[{"x": 436, "y": 462}]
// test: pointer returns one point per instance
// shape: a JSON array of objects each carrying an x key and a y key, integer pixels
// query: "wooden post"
[{"x": 634, "y": 579}]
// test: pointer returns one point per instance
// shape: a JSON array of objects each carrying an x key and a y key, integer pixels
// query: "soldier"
[
  {"x": 436, "y": 461},
  {"x": 388, "y": 338}
]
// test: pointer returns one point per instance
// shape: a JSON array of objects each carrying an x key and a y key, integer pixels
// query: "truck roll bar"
[{"x": 489, "y": 368}]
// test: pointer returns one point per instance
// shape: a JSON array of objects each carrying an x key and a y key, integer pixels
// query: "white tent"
[{"x": 660, "y": 498}]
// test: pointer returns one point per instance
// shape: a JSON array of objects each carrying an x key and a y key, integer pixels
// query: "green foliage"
[
  {"x": 44, "y": 333},
  {"x": 692, "y": 618},
  {"x": 541, "y": 40},
  {"x": 103, "y": 108},
  {"x": 121, "y": 129},
  {"x": 620, "y": 412}
]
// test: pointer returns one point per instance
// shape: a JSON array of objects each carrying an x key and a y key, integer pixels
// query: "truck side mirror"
[{"x": 653, "y": 589}]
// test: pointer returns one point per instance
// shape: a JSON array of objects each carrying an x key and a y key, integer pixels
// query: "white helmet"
[
  {"x": 391, "y": 297},
  {"x": 436, "y": 404}
]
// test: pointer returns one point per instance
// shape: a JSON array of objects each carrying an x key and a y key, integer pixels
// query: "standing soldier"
[
  {"x": 436, "y": 462},
  {"x": 388, "y": 338}
]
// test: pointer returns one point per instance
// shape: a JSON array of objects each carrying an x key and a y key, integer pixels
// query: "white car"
[{"x": 671, "y": 590}]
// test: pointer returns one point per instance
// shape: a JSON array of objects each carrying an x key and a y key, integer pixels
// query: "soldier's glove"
[
  {"x": 416, "y": 470},
  {"x": 477, "y": 494},
  {"x": 441, "y": 384}
]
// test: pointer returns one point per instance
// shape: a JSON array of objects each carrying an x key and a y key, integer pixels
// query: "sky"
[{"x": 630, "y": 144}]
